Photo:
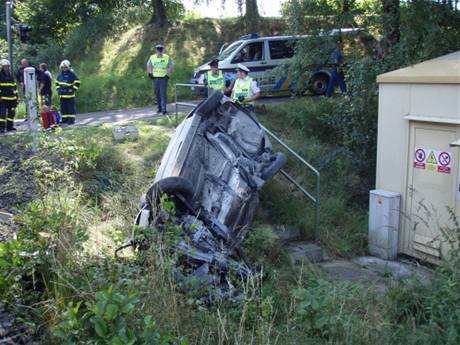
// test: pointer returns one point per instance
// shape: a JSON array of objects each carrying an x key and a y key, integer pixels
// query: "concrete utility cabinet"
[
  {"x": 384, "y": 211},
  {"x": 418, "y": 151}
]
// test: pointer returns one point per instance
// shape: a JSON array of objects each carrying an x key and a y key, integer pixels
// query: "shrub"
[
  {"x": 330, "y": 313},
  {"x": 430, "y": 313},
  {"x": 262, "y": 245},
  {"x": 107, "y": 320}
]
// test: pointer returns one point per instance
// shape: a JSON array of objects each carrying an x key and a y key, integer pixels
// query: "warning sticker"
[{"x": 433, "y": 160}]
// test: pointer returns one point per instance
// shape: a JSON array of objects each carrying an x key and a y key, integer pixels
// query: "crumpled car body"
[{"x": 216, "y": 162}]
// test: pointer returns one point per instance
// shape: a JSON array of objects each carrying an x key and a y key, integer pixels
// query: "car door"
[
  {"x": 253, "y": 55},
  {"x": 280, "y": 52}
]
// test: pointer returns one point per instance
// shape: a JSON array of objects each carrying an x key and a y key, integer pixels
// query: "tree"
[
  {"x": 391, "y": 23},
  {"x": 252, "y": 9},
  {"x": 159, "y": 14}
]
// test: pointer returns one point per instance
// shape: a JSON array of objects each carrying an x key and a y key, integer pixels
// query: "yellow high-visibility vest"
[
  {"x": 239, "y": 91},
  {"x": 159, "y": 65},
  {"x": 216, "y": 83}
]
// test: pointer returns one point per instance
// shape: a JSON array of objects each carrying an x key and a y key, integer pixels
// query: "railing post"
[
  {"x": 317, "y": 207},
  {"x": 175, "y": 103}
]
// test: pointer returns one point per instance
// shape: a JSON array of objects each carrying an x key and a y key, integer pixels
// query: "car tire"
[
  {"x": 277, "y": 162},
  {"x": 319, "y": 84},
  {"x": 171, "y": 186},
  {"x": 209, "y": 104}
]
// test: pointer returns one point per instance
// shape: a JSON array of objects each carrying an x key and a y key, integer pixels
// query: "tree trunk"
[
  {"x": 252, "y": 10},
  {"x": 252, "y": 16},
  {"x": 391, "y": 23},
  {"x": 159, "y": 14}
]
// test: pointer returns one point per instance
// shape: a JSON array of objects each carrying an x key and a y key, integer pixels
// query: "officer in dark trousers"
[
  {"x": 67, "y": 83},
  {"x": 8, "y": 97},
  {"x": 159, "y": 69},
  {"x": 214, "y": 79}
]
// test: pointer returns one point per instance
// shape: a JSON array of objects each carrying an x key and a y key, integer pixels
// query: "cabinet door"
[{"x": 431, "y": 190}]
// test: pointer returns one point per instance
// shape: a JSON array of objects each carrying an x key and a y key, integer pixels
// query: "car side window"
[
  {"x": 281, "y": 49},
  {"x": 250, "y": 52}
]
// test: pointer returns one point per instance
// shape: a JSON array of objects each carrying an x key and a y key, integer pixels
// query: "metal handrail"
[
  {"x": 314, "y": 198},
  {"x": 184, "y": 103}
]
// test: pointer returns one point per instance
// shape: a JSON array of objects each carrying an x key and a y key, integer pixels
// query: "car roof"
[{"x": 333, "y": 32}]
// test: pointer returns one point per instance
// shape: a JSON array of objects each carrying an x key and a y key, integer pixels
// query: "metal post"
[
  {"x": 31, "y": 100},
  {"x": 8, "y": 6},
  {"x": 317, "y": 207},
  {"x": 175, "y": 103}
]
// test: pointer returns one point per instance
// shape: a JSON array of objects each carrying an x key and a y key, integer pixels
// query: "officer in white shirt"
[{"x": 245, "y": 90}]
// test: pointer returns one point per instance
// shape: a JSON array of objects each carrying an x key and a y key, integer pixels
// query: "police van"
[{"x": 262, "y": 54}]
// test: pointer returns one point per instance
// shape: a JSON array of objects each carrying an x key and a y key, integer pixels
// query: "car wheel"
[
  {"x": 277, "y": 162},
  {"x": 171, "y": 186},
  {"x": 208, "y": 105},
  {"x": 319, "y": 84}
]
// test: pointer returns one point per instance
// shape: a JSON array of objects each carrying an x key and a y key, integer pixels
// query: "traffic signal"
[{"x": 24, "y": 30}]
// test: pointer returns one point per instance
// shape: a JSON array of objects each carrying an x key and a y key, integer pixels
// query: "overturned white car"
[{"x": 213, "y": 168}]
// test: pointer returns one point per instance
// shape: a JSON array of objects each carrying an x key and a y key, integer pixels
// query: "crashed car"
[{"x": 214, "y": 166}]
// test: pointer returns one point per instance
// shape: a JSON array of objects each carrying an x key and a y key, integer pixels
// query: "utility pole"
[{"x": 8, "y": 9}]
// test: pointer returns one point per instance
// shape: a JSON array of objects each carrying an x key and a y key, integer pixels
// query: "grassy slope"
[
  {"x": 113, "y": 71},
  {"x": 291, "y": 305},
  {"x": 343, "y": 227}
]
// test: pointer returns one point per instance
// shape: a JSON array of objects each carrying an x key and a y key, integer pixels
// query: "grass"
[
  {"x": 113, "y": 67},
  {"x": 100, "y": 184},
  {"x": 343, "y": 226}
]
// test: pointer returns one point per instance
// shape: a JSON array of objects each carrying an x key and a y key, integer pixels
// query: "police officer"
[
  {"x": 8, "y": 97},
  {"x": 245, "y": 90},
  {"x": 67, "y": 83},
  {"x": 214, "y": 79},
  {"x": 337, "y": 77},
  {"x": 159, "y": 68}
]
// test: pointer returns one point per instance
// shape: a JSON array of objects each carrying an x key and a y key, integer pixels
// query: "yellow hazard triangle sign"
[{"x": 432, "y": 158}]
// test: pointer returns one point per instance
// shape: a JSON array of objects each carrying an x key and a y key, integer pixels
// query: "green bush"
[
  {"x": 107, "y": 321},
  {"x": 329, "y": 314},
  {"x": 263, "y": 246},
  {"x": 430, "y": 312}
]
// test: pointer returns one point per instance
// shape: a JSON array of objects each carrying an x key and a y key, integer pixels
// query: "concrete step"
[
  {"x": 398, "y": 270},
  {"x": 304, "y": 252},
  {"x": 344, "y": 270},
  {"x": 287, "y": 233}
]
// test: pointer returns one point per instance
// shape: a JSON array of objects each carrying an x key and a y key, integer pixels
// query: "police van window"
[
  {"x": 250, "y": 52},
  {"x": 281, "y": 49},
  {"x": 229, "y": 50}
]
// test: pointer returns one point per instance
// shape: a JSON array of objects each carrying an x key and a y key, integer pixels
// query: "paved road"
[
  {"x": 147, "y": 113},
  {"x": 139, "y": 114}
]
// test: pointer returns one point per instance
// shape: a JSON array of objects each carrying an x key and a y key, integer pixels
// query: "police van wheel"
[
  {"x": 208, "y": 105},
  {"x": 319, "y": 84}
]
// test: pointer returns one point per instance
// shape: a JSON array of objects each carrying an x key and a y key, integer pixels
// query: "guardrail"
[
  {"x": 177, "y": 104},
  {"x": 313, "y": 197}
]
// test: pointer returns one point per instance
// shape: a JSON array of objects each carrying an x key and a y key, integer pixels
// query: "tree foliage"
[{"x": 410, "y": 31}]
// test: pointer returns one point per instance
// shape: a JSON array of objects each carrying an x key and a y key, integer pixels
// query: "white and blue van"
[{"x": 262, "y": 54}]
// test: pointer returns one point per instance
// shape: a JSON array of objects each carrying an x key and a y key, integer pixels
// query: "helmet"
[
  {"x": 4, "y": 62},
  {"x": 64, "y": 63}
]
